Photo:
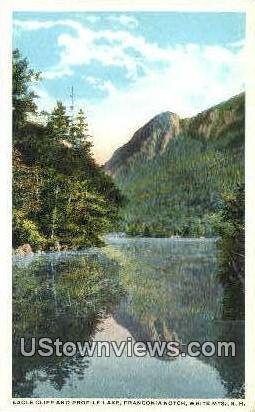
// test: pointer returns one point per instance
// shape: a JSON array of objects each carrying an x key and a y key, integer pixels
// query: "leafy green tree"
[{"x": 62, "y": 197}]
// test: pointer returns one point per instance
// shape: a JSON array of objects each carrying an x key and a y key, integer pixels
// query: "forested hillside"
[
  {"x": 178, "y": 190},
  {"x": 173, "y": 173},
  {"x": 61, "y": 197}
]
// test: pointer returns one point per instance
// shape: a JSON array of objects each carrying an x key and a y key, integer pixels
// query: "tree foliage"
[
  {"x": 177, "y": 192},
  {"x": 231, "y": 228},
  {"x": 22, "y": 96},
  {"x": 61, "y": 196}
]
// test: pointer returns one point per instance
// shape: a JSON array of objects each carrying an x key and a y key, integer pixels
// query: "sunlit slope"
[{"x": 175, "y": 191}]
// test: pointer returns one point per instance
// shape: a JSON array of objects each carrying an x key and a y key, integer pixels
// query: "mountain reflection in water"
[{"x": 145, "y": 288}]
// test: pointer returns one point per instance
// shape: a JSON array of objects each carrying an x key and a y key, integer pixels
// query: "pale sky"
[{"x": 126, "y": 68}]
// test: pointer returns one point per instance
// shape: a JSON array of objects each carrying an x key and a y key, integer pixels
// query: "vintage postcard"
[{"x": 127, "y": 134}]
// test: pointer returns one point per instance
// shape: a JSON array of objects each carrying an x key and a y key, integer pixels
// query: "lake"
[{"x": 144, "y": 289}]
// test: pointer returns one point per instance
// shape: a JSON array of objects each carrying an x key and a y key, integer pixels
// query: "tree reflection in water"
[
  {"x": 156, "y": 289},
  {"x": 65, "y": 299}
]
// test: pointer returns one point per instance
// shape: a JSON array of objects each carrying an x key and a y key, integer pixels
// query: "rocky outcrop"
[
  {"x": 218, "y": 121},
  {"x": 223, "y": 123},
  {"x": 149, "y": 141},
  {"x": 24, "y": 250}
]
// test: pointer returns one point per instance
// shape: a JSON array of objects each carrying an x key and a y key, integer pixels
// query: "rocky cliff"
[
  {"x": 173, "y": 171},
  {"x": 224, "y": 122},
  {"x": 150, "y": 140}
]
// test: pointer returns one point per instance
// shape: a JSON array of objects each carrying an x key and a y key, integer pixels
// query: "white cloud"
[
  {"x": 117, "y": 48},
  {"x": 93, "y": 19},
  {"x": 91, "y": 80},
  {"x": 103, "y": 85},
  {"x": 57, "y": 72},
  {"x": 193, "y": 81},
  {"x": 44, "y": 101},
  {"x": 108, "y": 86},
  {"x": 184, "y": 79},
  {"x": 30, "y": 25},
  {"x": 237, "y": 44},
  {"x": 106, "y": 47},
  {"x": 124, "y": 20}
]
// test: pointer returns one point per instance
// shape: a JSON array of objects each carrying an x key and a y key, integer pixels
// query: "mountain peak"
[
  {"x": 149, "y": 140},
  {"x": 223, "y": 123}
]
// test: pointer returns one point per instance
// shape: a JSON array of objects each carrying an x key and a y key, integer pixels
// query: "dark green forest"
[
  {"x": 61, "y": 197},
  {"x": 195, "y": 188},
  {"x": 180, "y": 192}
]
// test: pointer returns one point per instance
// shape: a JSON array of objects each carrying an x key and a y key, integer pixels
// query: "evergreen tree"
[
  {"x": 79, "y": 134},
  {"x": 59, "y": 123},
  {"x": 23, "y": 99},
  {"x": 61, "y": 196}
]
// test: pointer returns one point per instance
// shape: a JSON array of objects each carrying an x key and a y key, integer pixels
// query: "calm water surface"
[{"x": 144, "y": 288}]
